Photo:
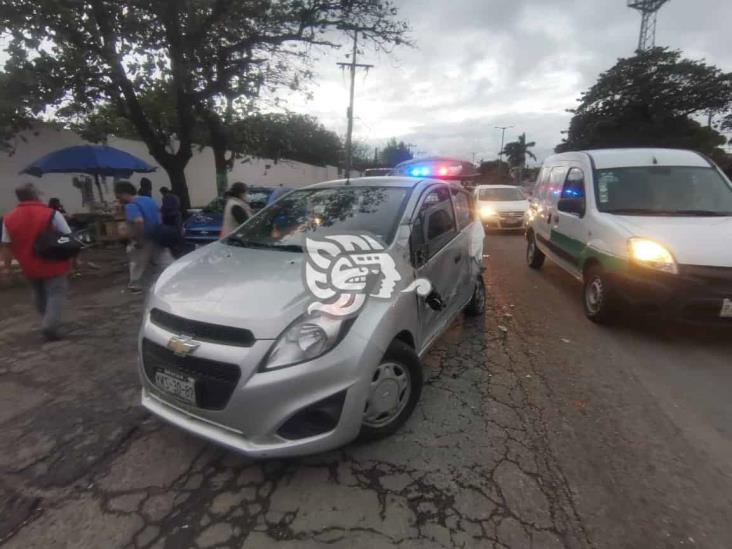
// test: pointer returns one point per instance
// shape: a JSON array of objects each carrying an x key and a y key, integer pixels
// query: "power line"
[{"x": 352, "y": 66}]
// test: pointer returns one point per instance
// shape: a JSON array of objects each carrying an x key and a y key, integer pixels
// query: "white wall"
[{"x": 200, "y": 172}]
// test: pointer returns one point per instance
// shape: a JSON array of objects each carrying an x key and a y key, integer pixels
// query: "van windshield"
[
  {"x": 500, "y": 194},
  {"x": 663, "y": 191},
  {"x": 316, "y": 213}
]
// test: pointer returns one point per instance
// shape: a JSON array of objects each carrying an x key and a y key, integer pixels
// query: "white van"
[
  {"x": 648, "y": 227},
  {"x": 501, "y": 207}
]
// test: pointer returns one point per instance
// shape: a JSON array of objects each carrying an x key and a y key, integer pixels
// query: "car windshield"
[
  {"x": 501, "y": 194},
  {"x": 320, "y": 212},
  {"x": 662, "y": 190}
]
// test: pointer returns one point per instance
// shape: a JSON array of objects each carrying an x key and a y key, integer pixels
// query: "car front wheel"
[
  {"x": 396, "y": 385},
  {"x": 599, "y": 304},
  {"x": 476, "y": 305},
  {"x": 534, "y": 256}
]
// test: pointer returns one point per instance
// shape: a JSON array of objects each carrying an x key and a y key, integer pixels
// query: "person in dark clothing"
[
  {"x": 145, "y": 188},
  {"x": 55, "y": 204},
  {"x": 170, "y": 208}
]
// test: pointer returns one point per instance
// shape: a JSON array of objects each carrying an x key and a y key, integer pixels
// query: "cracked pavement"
[{"x": 500, "y": 452}]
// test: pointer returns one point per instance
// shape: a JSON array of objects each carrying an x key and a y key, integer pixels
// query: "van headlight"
[
  {"x": 652, "y": 255},
  {"x": 309, "y": 337},
  {"x": 488, "y": 211}
]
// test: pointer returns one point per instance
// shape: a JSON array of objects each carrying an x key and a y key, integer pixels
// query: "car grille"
[
  {"x": 712, "y": 277},
  {"x": 511, "y": 215},
  {"x": 215, "y": 380},
  {"x": 213, "y": 333}
]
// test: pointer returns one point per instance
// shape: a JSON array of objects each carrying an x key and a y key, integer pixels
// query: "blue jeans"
[{"x": 50, "y": 298}]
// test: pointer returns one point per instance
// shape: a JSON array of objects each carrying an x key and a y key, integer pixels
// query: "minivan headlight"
[
  {"x": 309, "y": 337},
  {"x": 488, "y": 211},
  {"x": 653, "y": 255}
]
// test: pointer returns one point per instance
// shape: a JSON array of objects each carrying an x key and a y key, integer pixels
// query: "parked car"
[
  {"x": 204, "y": 226},
  {"x": 232, "y": 348},
  {"x": 501, "y": 207},
  {"x": 649, "y": 227}
]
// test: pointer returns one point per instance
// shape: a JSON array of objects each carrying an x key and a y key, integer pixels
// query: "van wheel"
[
  {"x": 396, "y": 385},
  {"x": 599, "y": 304},
  {"x": 534, "y": 256},
  {"x": 476, "y": 305}
]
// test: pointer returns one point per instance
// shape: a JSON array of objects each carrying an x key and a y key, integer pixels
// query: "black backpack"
[{"x": 54, "y": 245}]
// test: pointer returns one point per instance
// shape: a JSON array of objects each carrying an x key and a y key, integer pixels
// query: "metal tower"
[{"x": 649, "y": 11}]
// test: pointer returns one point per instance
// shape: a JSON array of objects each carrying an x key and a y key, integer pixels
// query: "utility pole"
[
  {"x": 352, "y": 66},
  {"x": 500, "y": 153}
]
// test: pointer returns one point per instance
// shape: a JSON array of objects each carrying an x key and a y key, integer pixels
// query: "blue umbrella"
[
  {"x": 92, "y": 159},
  {"x": 96, "y": 160}
]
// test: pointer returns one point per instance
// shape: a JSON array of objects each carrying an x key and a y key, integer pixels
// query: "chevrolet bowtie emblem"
[{"x": 182, "y": 345}]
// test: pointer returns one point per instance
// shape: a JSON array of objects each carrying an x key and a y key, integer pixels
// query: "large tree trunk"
[{"x": 177, "y": 175}]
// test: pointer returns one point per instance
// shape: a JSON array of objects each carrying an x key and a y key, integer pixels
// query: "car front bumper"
[
  {"x": 263, "y": 404},
  {"x": 696, "y": 294},
  {"x": 503, "y": 223}
]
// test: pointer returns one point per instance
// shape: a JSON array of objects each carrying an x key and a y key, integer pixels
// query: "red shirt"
[{"x": 24, "y": 224}]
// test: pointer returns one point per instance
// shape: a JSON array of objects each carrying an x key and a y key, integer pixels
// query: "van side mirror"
[{"x": 572, "y": 205}]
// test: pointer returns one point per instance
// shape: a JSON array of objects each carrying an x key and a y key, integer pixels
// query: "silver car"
[{"x": 303, "y": 329}]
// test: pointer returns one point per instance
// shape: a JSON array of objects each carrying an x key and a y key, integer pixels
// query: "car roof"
[
  {"x": 496, "y": 187},
  {"x": 634, "y": 157},
  {"x": 398, "y": 182}
]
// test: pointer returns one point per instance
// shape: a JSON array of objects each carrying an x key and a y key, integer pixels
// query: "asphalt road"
[{"x": 535, "y": 429}]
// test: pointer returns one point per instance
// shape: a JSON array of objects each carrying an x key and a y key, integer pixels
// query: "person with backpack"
[
  {"x": 146, "y": 234},
  {"x": 22, "y": 228}
]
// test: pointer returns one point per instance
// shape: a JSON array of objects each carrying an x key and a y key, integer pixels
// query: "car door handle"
[{"x": 458, "y": 257}]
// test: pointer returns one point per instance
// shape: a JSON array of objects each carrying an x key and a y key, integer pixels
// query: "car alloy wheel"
[{"x": 391, "y": 387}]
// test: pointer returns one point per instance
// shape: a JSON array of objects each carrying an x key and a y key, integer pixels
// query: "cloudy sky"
[{"x": 485, "y": 63}]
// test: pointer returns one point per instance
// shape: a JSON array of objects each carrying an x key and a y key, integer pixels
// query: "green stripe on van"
[{"x": 581, "y": 253}]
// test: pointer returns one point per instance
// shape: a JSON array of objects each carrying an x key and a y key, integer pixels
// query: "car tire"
[
  {"x": 476, "y": 305},
  {"x": 534, "y": 256},
  {"x": 401, "y": 359},
  {"x": 597, "y": 296}
]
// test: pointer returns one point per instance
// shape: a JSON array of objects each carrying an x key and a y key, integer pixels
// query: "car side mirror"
[{"x": 572, "y": 205}]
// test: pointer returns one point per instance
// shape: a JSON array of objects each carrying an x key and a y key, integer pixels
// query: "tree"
[
  {"x": 517, "y": 151},
  {"x": 652, "y": 100},
  {"x": 209, "y": 58},
  {"x": 395, "y": 152},
  {"x": 292, "y": 136}
]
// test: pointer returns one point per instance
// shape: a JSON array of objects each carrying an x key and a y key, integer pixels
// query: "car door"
[
  {"x": 569, "y": 235},
  {"x": 548, "y": 207},
  {"x": 437, "y": 257},
  {"x": 464, "y": 216}
]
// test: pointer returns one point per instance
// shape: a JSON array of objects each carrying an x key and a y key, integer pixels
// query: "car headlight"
[
  {"x": 652, "y": 255},
  {"x": 488, "y": 211},
  {"x": 309, "y": 337}
]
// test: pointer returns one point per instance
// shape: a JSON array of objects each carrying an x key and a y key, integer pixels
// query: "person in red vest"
[{"x": 21, "y": 227}]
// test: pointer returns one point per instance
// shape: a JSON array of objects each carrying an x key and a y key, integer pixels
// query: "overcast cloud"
[{"x": 482, "y": 63}]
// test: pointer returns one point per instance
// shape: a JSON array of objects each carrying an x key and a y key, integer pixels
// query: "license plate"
[
  {"x": 726, "y": 309},
  {"x": 177, "y": 385}
]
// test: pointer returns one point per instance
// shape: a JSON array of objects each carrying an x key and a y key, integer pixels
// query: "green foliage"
[
  {"x": 395, "y": 152},
  {"x": 517, "y": 151},
  {"x": 290, "y": 136},
  {"x": 651, "y": 99}
]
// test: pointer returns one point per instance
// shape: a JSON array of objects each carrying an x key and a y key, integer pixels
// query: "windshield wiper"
[
  {"x": 240, "y": 242},
  {"x": 703, "y": 213},
  {"x": 639, "y": 211}
]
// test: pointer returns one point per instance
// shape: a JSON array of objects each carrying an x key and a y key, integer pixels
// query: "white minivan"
[
  {"x": 647, "y": 227},
  {"x": 501, "y": 207}
]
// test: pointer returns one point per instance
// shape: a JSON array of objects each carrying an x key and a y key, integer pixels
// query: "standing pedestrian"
[
  {"x": 21, "y": 228},
  {"x": 143, "y": 219},
  {"x": 170, "y": 208},
  {"x": 237, "y": 209},
  {"x": 145, "y": 187}
]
